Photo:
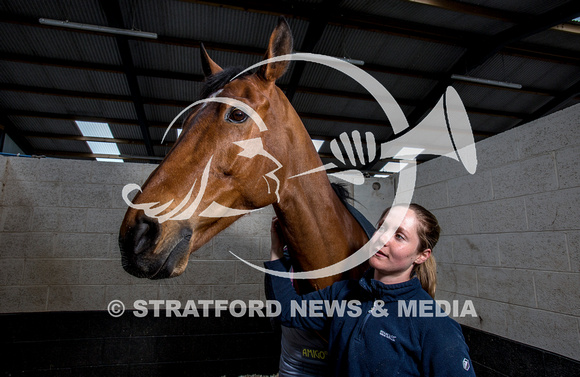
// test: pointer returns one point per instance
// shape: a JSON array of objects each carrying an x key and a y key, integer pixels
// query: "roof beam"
[
  {"x": 475, "y": 10},
  {"x": 183, "y": 104},
  {"x": 496, "y": 14},
  {"x": 63, "y": 154},
  {"x": 313, "y": 35},
  {"x": 482, "y": 50},
  {"x": 526, "y": 51},
  {"x": 12, "y": 131},
  {"x": 199, "y": 78},
  {"x": 114, "y": 17},
  {"x": 554, "y": 103},
  {"x": 348, "y": 19},
  {"x": 74, "y": 117}
]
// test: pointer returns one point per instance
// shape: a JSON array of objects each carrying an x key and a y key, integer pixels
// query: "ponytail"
[{"x": 426, "y": 272}]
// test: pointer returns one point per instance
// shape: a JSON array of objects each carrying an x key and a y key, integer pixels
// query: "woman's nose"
[{"x": 385, "y": 237}]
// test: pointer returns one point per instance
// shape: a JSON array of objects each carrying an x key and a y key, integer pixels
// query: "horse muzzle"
[{"x": 145, "y": 254}]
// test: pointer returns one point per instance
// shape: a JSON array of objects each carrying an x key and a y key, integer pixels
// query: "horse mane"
[
  {"x": 217, "y": 81},
  {"x": 342, "y": 193}
]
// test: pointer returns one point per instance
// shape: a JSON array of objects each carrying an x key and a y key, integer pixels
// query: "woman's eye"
[
  {"x": 237, "y": 116},
  {"x": 399, "y": 237}
]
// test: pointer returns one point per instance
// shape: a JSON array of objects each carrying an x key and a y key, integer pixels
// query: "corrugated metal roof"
[
  {"x": 536, "y": 73},
  {"x": 496, "y": 99},
  {"x": 35, "y": 59},
  {"x": 556, "y": 39},
  {"x": 389, "y": 50},
  {"x": 64, "y": 78},
  {"x": 90, "y": 12},
  {"x": 319, "y": 76},
  {"x": 165, "y": 57},
  {"x": 159, "y": 113},
  {"x": 161, "y": 151},
  {"x": 324, "y": 128},
  {"x": 180, "y": 90},
  {"x": 199, "y": 22},
  {"x": 157, "y": 134},
  {"x": 337, "y": 106},
  {"x": 126, "y": 131},
  {"x": 529, "y": 6},
  {"x": 45, "y": 125},
  {"x": 58, "y": 43},
  {"x": 73, "y": 146},
  {"x": 132, "y": 149},
  {"x": 489, "y": 123},
  {"x": 66, "y": 105},
  {"x": 428, "y": 15}
]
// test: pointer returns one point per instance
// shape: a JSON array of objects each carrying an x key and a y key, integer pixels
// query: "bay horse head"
[{"x": 231, "y": 158}]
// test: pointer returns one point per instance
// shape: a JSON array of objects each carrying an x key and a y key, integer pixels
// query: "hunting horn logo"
[{"x": 445, "y": 131}]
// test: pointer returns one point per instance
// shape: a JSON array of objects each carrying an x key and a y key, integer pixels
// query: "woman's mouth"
[{"x": 381, "y": 254}]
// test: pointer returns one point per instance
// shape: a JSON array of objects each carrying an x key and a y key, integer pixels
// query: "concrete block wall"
[
  {"x": 510, "y": 243},
  {"x": 59, "y": 222},
  {"x": 511, "y": 232}
]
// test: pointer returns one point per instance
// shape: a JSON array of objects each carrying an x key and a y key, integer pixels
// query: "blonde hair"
[{"x": 428, "y": 232}]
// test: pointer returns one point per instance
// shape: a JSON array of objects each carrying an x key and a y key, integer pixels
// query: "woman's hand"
[{"x": 277, "y": 248}]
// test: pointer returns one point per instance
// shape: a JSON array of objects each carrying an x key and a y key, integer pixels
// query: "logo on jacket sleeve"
[{"x": 466, "y": 364}]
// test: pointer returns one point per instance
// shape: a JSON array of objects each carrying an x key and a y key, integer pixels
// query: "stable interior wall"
[
  {"x": 510, "y": 241},
  {"x": 59, "y": 222},
  {"x": 510, "y": 232}
]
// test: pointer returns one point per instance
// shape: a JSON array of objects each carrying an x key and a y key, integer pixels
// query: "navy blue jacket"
[{"x": 377, "y": 333}]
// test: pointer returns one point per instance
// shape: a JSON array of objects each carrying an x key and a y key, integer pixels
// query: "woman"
[{"x": 379, "y": 333}]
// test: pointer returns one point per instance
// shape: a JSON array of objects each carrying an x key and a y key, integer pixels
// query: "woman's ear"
[{"x": 423, "y": 256}]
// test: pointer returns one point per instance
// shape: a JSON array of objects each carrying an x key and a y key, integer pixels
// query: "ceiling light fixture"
[
  {"x": 477, "y": 80},
  {"x": 100, "y": 130},
  {"x": 98, "y": 28}
]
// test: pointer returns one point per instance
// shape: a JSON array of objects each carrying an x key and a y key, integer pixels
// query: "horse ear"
[
  {"x": 209, "y": 66},
  {"x": 281, "y": 43}
]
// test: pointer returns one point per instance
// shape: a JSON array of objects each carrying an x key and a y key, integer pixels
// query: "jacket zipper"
[{"x": 361, "y": 328}]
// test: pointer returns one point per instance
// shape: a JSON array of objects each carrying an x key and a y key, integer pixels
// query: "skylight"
[
  {"x": 393, "y": 167},
  {"x": 101, "y": 130}
]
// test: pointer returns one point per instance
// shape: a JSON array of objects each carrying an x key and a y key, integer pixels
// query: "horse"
[{"x": 239, "y": 165}]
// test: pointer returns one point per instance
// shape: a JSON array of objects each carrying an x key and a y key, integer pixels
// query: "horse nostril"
[
  {"x": 144, "y": 234},
  {"x": 186, "y": 234}
]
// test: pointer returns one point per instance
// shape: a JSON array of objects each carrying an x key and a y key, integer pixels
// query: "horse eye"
[{"x": 237, "y": 116}]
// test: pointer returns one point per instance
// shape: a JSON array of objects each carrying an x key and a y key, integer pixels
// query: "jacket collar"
[{"x": 389, "y": 292}]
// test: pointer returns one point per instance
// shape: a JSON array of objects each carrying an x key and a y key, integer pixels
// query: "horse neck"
[{"x": 319, "y": 229}]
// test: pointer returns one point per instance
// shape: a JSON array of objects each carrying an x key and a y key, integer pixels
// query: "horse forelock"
[{"x": 217, "y": 81}]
